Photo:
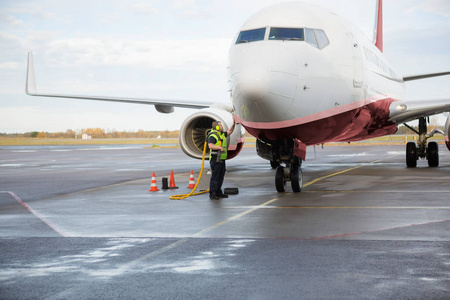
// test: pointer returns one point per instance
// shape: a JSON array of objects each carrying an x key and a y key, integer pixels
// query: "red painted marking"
[
  {"x": 38, "y": 215},
  {"x": 234, "y": 150},
  {"x": 360, "y": 120},
  {"x": 372, "y": 231}
]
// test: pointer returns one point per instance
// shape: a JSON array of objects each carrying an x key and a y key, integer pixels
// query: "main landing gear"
[
  {"x": 282, "y": 153},
  {"x": 422, "y": 150}
]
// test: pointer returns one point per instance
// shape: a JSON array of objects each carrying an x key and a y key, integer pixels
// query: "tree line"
[
  {"x": 405, "y": 130},
  {"x": 99, "y": 133},
  {"x": 95, "y": 133}
]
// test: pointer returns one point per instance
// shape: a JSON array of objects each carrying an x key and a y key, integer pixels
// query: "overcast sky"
[{"x": 171, "y": 50}]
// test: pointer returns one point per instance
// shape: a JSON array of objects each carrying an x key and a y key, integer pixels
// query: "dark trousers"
[{"x": 217, "y": 175}]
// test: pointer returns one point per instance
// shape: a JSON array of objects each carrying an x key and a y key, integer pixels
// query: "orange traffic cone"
[
  {"x": 191, "y": 181},
  {"x": 153, "y": 187},
  {"x": 172, "y": 181}
]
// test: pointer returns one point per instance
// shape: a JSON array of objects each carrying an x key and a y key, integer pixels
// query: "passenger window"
[
  {"x": 251, "y": 36},
  {"x": 322, "y": 38},
  {"x": 311, "y": 37},
  {"x": 293, "y": 34}
]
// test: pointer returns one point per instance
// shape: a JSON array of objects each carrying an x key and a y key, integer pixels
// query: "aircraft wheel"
[
  {"x": 280, "y": 183},
  {"x": 296, "y": 179},
  {"x": 411, "y": 155},
  {"x": 433, "y": 154}
]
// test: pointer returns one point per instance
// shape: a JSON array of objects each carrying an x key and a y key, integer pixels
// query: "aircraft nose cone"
[
  {"x": 264, "y": 82},
  {"x": 253, "y": 83}
]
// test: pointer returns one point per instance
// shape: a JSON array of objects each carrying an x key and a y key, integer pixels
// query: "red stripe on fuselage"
[{"x": 360, "y": 120}]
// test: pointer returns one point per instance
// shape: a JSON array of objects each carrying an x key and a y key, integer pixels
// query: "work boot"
[
  {"x": 214, "y": 197},
  {"x": 223, "y": 196}
]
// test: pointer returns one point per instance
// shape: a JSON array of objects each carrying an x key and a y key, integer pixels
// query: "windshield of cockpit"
[
  {"x": 315, "y": 37},
  {"x": 251, "y": 36},
  {"x": 291, "y": 34}
]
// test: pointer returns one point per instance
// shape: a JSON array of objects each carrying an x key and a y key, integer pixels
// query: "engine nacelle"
[
  {"x": 447, "y": 132},
  {"x": 194, "y": 130}
]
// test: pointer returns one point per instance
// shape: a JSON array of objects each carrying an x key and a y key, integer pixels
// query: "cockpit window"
[
  {"x": 294, "y": 34},
  {"x": 311, "y": 37},
  {"x": 251, "y": 36},
  {"x": 316, "y": 38},
  {"x": 321, "y": 38}
]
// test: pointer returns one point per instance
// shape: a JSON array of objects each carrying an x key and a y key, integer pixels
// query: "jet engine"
[
  {"x": 194, "y": 131},
  {"x": 447, "y": 132}
]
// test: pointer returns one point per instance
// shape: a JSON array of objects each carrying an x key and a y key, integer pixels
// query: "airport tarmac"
[{"x": 78, "y": 222}]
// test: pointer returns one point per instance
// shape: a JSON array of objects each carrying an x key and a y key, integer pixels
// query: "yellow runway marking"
[
  {"x": 235, "y": 217},
  {"x": 162, "y": 250},
  {"x": 343, "y": 207},
  {"x": 345, "y": 171},
  {"x": 392, "y": 181},
  {"x": 252, "y": 209},
  {"x": 331, "y": 175},
  {"x": 264, "y": 205},
  {"x": 372, "y": 192}
]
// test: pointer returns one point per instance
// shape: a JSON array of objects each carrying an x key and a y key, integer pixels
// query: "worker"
[{"x": 217, "y": 143}]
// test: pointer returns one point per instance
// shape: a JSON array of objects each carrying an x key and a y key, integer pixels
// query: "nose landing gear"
[
  {"x": 292, "y": 173},
  {"x": 282, "y": 158}
]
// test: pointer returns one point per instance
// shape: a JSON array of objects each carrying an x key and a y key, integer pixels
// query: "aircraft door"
[
  {"x": 357, "y": 61},
  {"x": 358, "y": 68}
]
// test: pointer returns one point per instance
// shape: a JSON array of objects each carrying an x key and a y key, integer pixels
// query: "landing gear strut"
[{"x": 422, "y": 150}]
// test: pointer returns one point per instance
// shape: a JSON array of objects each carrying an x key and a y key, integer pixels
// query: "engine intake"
[{"x": 195, "y": 128}]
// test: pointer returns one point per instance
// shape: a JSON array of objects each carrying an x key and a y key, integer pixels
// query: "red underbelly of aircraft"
[{"x": 357, "y": 121}]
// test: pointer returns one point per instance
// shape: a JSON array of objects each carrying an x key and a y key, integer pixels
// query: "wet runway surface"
[{"x": 79, "y": 223}]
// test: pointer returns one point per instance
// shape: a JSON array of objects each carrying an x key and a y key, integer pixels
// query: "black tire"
[
  {"x": 411, "y": 155},
  {"x": 297, "y": 161},
  {"x": 274, "y": 164},
  {"x": 296, "y": 179},
  {"x": 433, "y": 154},
  {"x": 280, "y": 183}
]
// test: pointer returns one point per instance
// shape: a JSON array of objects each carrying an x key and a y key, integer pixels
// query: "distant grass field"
[{"x": 395, "y": 139}]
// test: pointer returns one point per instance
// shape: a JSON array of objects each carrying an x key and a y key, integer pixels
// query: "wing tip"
[{"x": 30, "y": 86}]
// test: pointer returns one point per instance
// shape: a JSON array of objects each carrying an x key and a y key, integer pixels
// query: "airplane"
[{"x": 301, "y": 75}]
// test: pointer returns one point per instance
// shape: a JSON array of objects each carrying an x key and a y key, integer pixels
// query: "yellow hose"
[{"x": 184, "y": 196}]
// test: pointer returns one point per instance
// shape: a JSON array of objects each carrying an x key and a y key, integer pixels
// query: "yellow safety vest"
[{"x": 221, "y": 141}]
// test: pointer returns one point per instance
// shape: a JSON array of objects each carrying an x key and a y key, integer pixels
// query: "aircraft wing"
[
  {"x": 422, "y": 76},
  {"x": 161, "y": 105},
  {"x": 405, "y": 111}
]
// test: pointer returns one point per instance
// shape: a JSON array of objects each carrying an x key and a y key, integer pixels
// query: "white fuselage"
[{"x": 280, "y": 85}]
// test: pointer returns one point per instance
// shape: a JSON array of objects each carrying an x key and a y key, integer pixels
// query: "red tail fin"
[{"x": 378, "y": 34}]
